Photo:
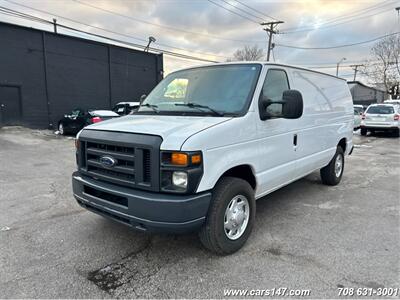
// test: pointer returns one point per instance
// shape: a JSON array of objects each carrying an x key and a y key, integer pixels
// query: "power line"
[
  {"x": 337, "y": 24},
  {"x": 338, "y": 46},
  {"x": 242, "y": 10},
  {"x": 359, "y": 12},
  {"x": 341, "y": 18},
  {"x": 171, "y": 53},
  {"x": 118, "y": 33},
  {"x": 259, "y": 12},
  {"x": 346, "y": 16},
  {"x": 330, "y": 25},
  {"x": 233, "y": 12},
  {"x": 158, "y": 25}
]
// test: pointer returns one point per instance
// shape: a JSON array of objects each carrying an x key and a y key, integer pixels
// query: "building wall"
[
  {"x": 57, "y": 73},
  {"x": 365, "y": 95}
]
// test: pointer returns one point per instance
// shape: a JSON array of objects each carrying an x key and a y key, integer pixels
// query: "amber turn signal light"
[
  {"x": 196, "y": 159},
  {"x": 180, "y": 159}
]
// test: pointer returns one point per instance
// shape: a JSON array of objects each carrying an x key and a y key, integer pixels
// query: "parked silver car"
[
  {"x": 358, "y": 111},
  {"x": 381, "y": 117}
]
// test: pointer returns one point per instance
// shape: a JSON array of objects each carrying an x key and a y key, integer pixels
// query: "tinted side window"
[{"x": 275, "y": 84}]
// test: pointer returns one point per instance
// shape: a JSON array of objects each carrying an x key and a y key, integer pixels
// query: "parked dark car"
[
  {"x": 73, "y": 122},
  {"x": 125, "y": 108}
]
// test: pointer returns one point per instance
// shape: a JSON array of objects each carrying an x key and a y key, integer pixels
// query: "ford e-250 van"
[{"x": 209, "y": 141}]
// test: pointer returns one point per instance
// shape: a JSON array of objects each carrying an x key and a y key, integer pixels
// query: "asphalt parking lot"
[{"x": 306, "y": 236}]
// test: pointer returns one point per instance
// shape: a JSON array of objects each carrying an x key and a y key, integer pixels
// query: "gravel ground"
[{"x": 306, "y": 236}]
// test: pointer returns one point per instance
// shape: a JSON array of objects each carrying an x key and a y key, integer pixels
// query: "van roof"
[{"x": 260, "y": 63}]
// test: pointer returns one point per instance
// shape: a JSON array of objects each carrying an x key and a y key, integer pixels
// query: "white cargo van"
[{"x": 209, "y": 141}]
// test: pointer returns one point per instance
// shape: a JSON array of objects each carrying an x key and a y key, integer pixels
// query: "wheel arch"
[
  {"x": 243, "y": 171},
  {"x": 343, "y": 144}
]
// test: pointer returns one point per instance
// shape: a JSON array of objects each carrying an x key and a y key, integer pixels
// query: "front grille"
[
  {"x": 118, "y": 160},
  {"x": 123, "y": 172},
  {"x": 146, "y": 166}
]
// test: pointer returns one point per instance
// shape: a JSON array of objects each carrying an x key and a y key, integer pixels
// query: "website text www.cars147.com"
[{"x": 274, "y": 292}]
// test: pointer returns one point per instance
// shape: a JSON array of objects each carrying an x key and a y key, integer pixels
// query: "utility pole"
[
  {"x": 355, "y": 68},
  {"x": 270, "y": 29},
  {"x": 55, "y": 25}
]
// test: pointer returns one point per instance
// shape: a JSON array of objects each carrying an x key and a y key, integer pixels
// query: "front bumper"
[{"x": 144, "y": 211}]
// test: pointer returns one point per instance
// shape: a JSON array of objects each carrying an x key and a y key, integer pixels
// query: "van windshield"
[
  {"x": 216, "y": 90},
  {"x": 381, "y": 109}
]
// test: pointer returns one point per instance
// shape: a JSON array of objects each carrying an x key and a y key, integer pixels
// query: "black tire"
[
  {"x": 363, "y": 131},
  {"x": 328, "y": 173},
  {"x": 212, "y": 234},
  {"x": 61, "y": 128}
]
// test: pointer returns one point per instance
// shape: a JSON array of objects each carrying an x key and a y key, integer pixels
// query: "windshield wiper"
[
  {"x": 199, "y": 106},
  {"x": 152, "y": 106}
]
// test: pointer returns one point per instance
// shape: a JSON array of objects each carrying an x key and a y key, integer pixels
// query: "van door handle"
[{"x": 295, "y": 140}]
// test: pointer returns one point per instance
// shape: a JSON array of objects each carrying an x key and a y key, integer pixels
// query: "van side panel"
[{"x": 327, "y": 118}]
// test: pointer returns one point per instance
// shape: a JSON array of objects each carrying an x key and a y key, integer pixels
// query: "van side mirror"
[
  {"x": 291, "y": 106},
  {"x": 142, "y": 98}
]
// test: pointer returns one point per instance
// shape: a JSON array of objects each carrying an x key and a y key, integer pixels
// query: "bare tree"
[
  {"x": 248, "y": 53},
  {"x": 383, "y": 69}
]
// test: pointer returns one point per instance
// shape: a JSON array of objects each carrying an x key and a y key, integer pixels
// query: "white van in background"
[{"x": 207, "y": 142}]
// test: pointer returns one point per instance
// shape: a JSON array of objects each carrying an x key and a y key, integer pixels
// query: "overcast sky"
[{"x": 212, "y": 32}]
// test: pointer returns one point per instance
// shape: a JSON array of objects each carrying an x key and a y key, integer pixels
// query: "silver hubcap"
[
  {"x": 338, "y": 165},
  {"x": 236, "y": 217}
]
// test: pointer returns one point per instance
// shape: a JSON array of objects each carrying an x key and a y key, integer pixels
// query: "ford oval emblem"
[{"x": 108, "y": 161}]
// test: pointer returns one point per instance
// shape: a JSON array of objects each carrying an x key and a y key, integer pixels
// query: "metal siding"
[
  {"x": 77, "y": 74},
  {"x": 80, "y": 73},
  {"x": 21, "y": 61},
  {"x": 132, "y": 74}
]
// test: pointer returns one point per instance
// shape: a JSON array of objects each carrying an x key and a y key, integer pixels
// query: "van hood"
[{"x": 174, "y": 130}]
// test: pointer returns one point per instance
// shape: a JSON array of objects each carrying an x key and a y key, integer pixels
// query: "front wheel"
[
  {"x": 332, "y": 173},
  {"x": 230, "y": 217}
]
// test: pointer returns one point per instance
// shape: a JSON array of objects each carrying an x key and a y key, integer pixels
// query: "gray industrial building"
[
  {"x": 44, "y": 75},
  {"x": 365, "y": 95}
]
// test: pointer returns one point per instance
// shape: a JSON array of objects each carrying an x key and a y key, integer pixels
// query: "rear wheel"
[
  {"x": 363, "y": 131},
  {"x": 230, "y": 218},
  {"x": 332, "y": 173}
]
